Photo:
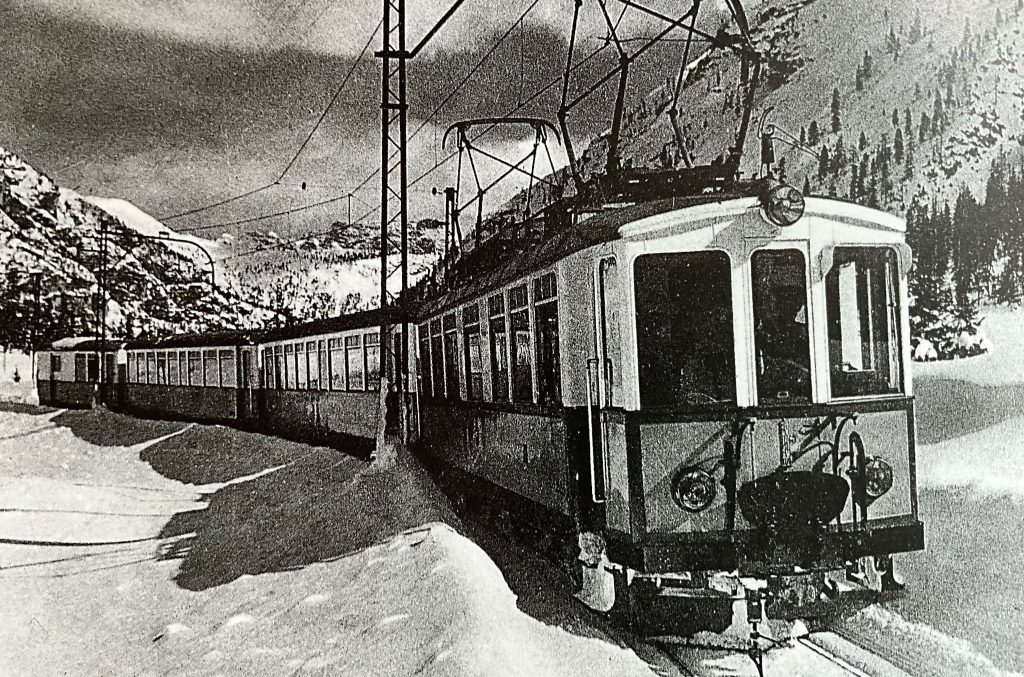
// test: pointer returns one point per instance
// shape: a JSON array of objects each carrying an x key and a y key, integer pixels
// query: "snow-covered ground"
[
  {"x": 17, "y": 378},
  {"x": 132, "y": 547},
  {"x": 961, "y": 612}
]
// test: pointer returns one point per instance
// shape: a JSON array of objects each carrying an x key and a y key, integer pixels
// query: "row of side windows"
[
  {"x": 213, "y": 368},
  {"x": 348, "y": 363},
  {"x": 507, "y": 336}
]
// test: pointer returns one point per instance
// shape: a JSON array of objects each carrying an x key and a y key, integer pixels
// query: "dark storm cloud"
[{"x": 144, "y": 110}]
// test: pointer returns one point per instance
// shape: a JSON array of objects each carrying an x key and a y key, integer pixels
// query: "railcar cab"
[{"x": 751, "y": 403}]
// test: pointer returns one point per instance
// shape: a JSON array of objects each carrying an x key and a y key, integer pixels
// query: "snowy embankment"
[
  {"x": 161, "y": 548},
  {"x": 17, "y": 379}
]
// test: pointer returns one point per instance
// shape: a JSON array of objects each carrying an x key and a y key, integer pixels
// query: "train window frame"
[
  {"x": 151, "y": 374},
  {"x": 183, "y": 367},
  {"x": 268, "y": 368},
  {"x": 161, "y": 367},
  {"x": 228, "y": 375},
  {"x": 132, "y": 366},
  {"x": 354, "y": 344},
  {"x": 172, "y": 368},
  {"x": 336, "y": 362},
  {"x": 371, "y": 342},
  {"x": 195, "y": 368},
  {"x": 658, "y": 391},
  {"x": 520, "y": 356},
  {"x": 497, "y": 325},
  {"x": 474, "y": 369},
  {"x": 324, "y": 361},
  {"x": 450, "y": 354},
  {"x": 545, "y": 316},
  {"x": 424, "y": 364},
  {"x": 806, "y": 312},
  {"x": 437, "y": 365},
  {"x": 301, "y": 366},
  {"x": 884, "y": 377},
  {"x": 210, "y": 357}
]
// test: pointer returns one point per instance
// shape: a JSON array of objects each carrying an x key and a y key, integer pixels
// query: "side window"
[
  {"x": 195, "y": 368},
  {"x": 372, "y": 343},
  {"x": 781, "y": 339},
  {"x": 279, "y": 382},
  {"x": 499, "y": 348},
  {"x": 549, "y": 375},
  {"x": 132, "y": 373},
  {"x": 183, "y": 367},
  {"x": 211, "y": 375},
  {"x": 268, "y": 369},
  {"x": 451, "y": 357},
  {"x": 151, "y": 369},
  {"x": 93, "y": 367},
  {"x": 289, "y": 367},
  {"x": 437, "y": 358},
  {"x": 172, "y": 368},
  {"x": 228, "y": 377},
  {"x": 337, "y": 359},
  {"x": 474, "y": 352},
  {"x": 161, "y": 368},
  {"x": 301, "y": 366},
  {"x": 354, "y": 361},
  {"x": 81, "y": 373},
  {"x": 521, "y": 345},
  {"x": 426, "y": 384}
]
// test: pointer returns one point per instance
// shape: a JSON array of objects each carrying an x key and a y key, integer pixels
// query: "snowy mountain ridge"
[{"x": 59, "y": 250}]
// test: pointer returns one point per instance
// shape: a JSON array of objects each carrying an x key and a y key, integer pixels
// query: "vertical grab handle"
[{"x": 595, "y": 495}]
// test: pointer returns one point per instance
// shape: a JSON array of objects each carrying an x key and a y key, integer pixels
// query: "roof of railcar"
[{"x": 611, "y": 224}]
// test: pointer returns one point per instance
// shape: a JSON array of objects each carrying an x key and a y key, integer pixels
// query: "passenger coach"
[{"x": 690, "y": 386}]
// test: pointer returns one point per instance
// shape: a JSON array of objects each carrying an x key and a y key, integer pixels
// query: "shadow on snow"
[{"x": 951, "y": 408}]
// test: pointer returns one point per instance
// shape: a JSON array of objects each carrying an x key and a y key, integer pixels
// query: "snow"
[
  {"x": 158, "y": 548},
  {"x": 144, "y": 224}
]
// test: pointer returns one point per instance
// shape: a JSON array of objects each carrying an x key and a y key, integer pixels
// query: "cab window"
[
  {"x": 684, "y": 330},
  {"x": 861, "y": 292},
  {"x": 781, "y": 339}
]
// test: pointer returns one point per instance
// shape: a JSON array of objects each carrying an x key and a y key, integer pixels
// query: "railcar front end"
[{"x": 752, "y": 418}]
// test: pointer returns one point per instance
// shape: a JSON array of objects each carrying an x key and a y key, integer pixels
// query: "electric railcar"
[
  {"x": 686, "y": 395},
  {"x": 694, "y": 395}
]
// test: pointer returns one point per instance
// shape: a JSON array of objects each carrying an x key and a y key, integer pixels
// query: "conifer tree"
[
  {"x": 859, "y": 79},
  {"x": 897, "y": 146},
  {"x": 823, "y": 163},
  {"x": 924, "y": 128},
  {"x": 813, "y": 135},
  {"x": 837, "y": 123},
  {"x": 803, "y": 135},
  {"x": 862, "y": 142},
  {"x": 896, "y": 118},
  {"x": 807, "y": 185}
]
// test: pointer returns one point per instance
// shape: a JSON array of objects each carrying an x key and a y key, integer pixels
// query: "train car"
[
  {"x": 68, "y": 372},
  {"x": 709, "y": 394},
  {"x": 195, "y": 377},
  {"x": 321, "y": 380}
]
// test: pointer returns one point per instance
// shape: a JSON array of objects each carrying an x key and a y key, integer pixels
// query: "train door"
[
  {"x": 246, "y": 401},
  {"x": 602, "y": 370}
]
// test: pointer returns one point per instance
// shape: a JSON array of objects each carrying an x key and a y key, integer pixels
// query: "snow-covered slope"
[
  {"x": 144, "y": 224},
  {"x": 57, "y": 250}
]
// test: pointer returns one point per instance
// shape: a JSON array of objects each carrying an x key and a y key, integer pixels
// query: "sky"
[{"x": 173, "y": 104}]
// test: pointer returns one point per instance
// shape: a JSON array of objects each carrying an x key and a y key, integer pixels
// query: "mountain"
[
  {"x": 144, "y": 224},
  {"x": 59, "y": 251}
]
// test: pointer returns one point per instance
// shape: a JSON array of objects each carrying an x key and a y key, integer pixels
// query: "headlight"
[
  {"x": 877, "y": 477},
  {"x": 693, "y": 489},
  {"x": 783, "y": 205}
]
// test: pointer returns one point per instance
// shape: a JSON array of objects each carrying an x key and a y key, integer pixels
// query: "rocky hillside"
[
  {"x": 53, "y": 256},
  {"x": 888, "y": 99}
]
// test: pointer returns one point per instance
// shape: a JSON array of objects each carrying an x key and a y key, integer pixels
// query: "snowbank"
[{"x": 160, "y": 548}]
